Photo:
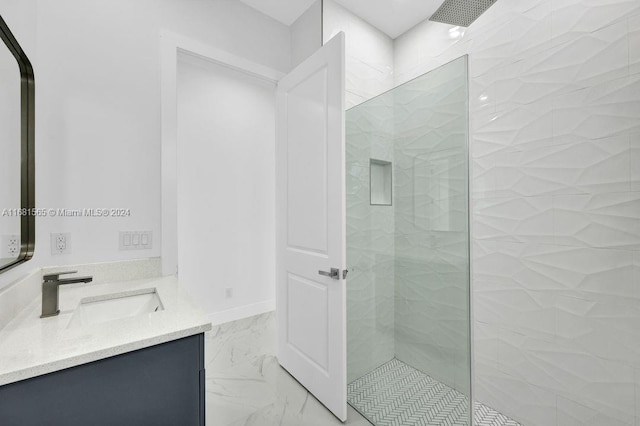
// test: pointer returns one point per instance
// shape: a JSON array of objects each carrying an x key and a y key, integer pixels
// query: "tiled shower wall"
[
  {"x": 368, "y": 53},
  {"x": 555, "y": 173},
  {"x": 555, "y": 146}
]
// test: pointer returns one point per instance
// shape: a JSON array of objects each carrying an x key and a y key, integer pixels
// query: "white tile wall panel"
[
  {"x": 633, "y": 25},
  {"x": 571, "y": 413},
  {"x": 574, "y": 19},
  {"x": 555, "y": 182}
]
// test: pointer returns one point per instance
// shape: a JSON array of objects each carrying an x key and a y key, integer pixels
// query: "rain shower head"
[{"x": 461, "y": 12}]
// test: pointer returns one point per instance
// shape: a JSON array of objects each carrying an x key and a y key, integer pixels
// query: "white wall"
[
  {"x": 306, "y": 34},
  {"x": 226, "y": 187},
  {"x": 97, "y": 71}
]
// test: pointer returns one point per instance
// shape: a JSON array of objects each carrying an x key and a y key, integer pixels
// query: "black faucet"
[{"x": 50, "y": 285}]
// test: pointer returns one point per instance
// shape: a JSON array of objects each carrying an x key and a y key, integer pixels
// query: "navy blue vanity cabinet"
[{"x": 155, "y": 386}]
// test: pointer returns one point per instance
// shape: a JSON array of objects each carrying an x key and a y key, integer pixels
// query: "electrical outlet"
[
  {"x": 10, "y": 246},
  {"x": 61, "y": 243}
]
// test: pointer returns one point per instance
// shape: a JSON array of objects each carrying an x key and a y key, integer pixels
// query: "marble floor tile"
[{"x": 247, "y": 386}]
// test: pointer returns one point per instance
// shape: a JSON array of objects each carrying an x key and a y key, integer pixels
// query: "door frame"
[{"x": 170, "y": 45}]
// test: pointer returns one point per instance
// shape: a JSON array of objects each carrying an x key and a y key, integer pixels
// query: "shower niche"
[
  {"x": 408, "y": 328},
  {"x": 380, "y": 182}
]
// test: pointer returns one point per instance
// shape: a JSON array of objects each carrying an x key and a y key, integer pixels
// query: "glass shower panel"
[
  {"x": 408, "y": 288},
  {"x": 370, "y": 240}
]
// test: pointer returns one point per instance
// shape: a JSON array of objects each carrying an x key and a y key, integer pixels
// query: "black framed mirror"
[{"x": 17, "y": 159}]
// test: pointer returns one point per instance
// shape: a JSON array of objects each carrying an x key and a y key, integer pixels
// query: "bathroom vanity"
[{"x": 118, "y": 353}]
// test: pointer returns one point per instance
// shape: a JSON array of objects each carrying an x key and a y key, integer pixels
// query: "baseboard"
[{"x": 242, "y": 312}]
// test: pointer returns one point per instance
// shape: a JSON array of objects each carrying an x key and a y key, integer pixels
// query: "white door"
[{"x": 310, "y": 225}]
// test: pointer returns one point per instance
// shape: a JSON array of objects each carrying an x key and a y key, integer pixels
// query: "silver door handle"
[{"x": 334, "y": 274}]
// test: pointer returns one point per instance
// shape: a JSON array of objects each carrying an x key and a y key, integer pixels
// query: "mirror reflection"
[
  {"x": 17, "y": 156},
  {"x": 10, "y": 148}
]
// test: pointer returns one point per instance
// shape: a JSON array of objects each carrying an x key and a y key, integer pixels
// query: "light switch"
[{"x": 136, "y": 240}]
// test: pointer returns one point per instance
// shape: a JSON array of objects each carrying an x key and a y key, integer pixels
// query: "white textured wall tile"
[
  {"x": 604, "y": 275},
  {"x": 485, "y": 344},
  {"x": 523, "y": 311},
  {"x": 592, "y": 58},
  {"x": 601, "y": 111},
  {"x": 603, "y": 385},
  {"x": 369, "y": 53},
  {"x": 555, "y": 183},
  {"x": 573, "y": 19},
  {"x": 579, "y": 167},
  {"x": 559, "y": 369},
  {"x": 633, "y": 25},
  {"x": 529, "y": 125},
  {"x": 634, "y": 162},
  {"x": 571, "y": 413},
  {"x": 523, "y": 219},
  {"x": 609, "y": 331},
  {"x": 492, "y": 47},
  {"x": 637, "y": 377},
  {"x": 587, "y": 166},
  {"x": 529, "y": 404},
  {"x": 531, "y": 29},
  {"x": 609, "y": 220}
]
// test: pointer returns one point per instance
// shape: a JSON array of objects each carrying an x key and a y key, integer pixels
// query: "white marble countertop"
[{"x": 31, "y": 346}]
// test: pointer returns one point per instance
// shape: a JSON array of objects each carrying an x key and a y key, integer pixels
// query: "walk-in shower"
[{"x": 408, "y": 252}]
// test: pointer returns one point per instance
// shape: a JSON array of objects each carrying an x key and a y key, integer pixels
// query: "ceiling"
[
  {"x": 394, "y": 17},
  {"x": 285, "y": 11}
]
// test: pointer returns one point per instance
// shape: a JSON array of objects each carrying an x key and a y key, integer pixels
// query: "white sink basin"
[{"x": 109, "y": 307}]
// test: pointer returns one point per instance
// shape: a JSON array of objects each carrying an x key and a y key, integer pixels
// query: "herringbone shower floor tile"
[{"x": 396, "y": 394}]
